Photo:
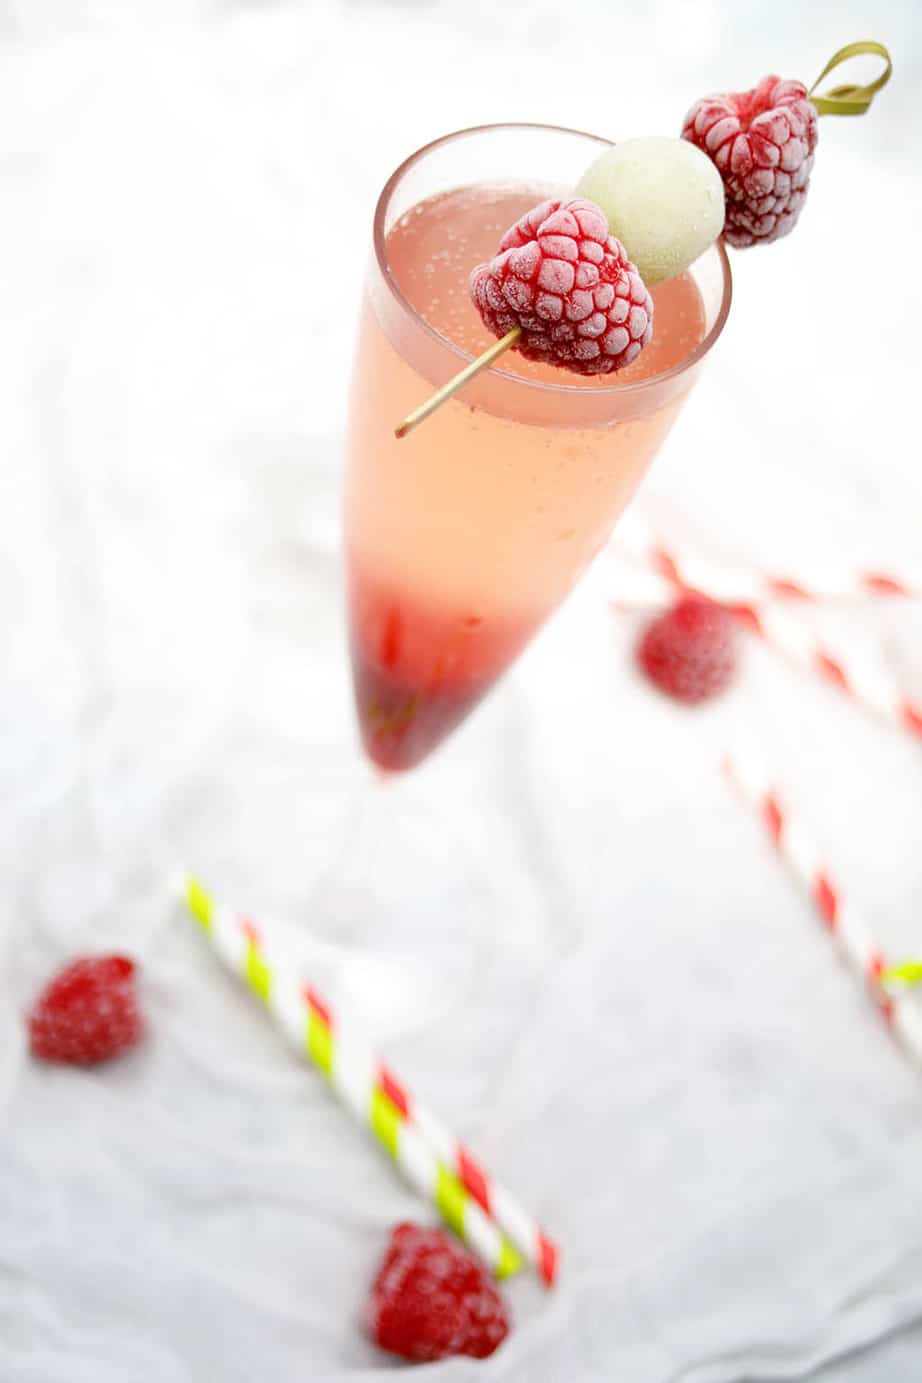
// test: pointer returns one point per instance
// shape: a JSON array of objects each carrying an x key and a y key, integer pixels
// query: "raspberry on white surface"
[
  {"x": 431, "y": 1300},
  {"x": 88, "y": 1012},
  {"x": 689, "y": 651}
]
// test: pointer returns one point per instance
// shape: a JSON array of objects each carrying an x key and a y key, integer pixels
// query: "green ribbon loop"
[{"x": 851, "y": 100}]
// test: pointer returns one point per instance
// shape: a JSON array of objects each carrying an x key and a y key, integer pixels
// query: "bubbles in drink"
[{"x": 433, "y": 252}]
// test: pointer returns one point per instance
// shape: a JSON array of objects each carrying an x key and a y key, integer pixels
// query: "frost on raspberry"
[
  {"x": 689, "y": 651},
  {"x": 88, "y": 1013},
  {"x": 762, "y": 143},
  {"x": 569, "y": 286},
  {"x": 430, "y": 1300}
]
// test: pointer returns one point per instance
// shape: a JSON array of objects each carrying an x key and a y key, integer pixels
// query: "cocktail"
[{"x": 463, "y": 536}]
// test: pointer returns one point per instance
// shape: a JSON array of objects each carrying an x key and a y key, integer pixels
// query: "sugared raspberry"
[
  {"x": 570, "y": 286},
  {"x": 689, "y": 652},
  {"x": 762, "y": 142},
  {"x": 88, "y": 1012},
  {"x": 430, "y": 1300}
]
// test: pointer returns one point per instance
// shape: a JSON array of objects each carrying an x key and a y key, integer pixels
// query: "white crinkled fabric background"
[{"x": 582, "y": 951}]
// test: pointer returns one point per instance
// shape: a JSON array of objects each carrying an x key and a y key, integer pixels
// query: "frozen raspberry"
[
  {"x": 570, "y": 286},
  {"x": 430, "y": 1300},
  {"x": 762, "y": 143},
  {"x": 689, "y": 652},
  {"x": 88, "y": 1012}
]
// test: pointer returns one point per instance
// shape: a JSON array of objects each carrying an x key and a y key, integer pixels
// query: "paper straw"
[
  {"x": 777, "y": 627},
  {"x": 482, "y": 1212},
  {"x": 735, "y": 583},
  {"x": 842, "y": 920},
  {"x": 497, "y": 1202},
  {"x": 864, "y": 685}
]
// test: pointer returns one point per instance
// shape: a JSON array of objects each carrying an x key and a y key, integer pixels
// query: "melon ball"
[{"x": 664, "y": 200}]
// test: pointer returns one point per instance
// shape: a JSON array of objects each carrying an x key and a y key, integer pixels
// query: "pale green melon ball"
[{"x": 664, "y": 200}]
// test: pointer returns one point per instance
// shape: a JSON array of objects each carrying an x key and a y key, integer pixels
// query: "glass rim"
[{"x": 464, "y": 358}]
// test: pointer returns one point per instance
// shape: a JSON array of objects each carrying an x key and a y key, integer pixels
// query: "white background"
[{"x": 615, "y": 992}]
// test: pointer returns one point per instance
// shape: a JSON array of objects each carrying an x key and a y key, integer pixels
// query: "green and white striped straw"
[{"x": 364, "y": 1084}]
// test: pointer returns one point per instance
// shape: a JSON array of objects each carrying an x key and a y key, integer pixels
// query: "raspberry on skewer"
[
  {"x": 568, "y": 285},
  {"x": 762, "y": 143},
  {"x": 547, "y": 292}
]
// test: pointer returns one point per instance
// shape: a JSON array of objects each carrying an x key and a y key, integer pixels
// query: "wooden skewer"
[
  {"x": 482, "y": 362},
  {"x": 841, "y": 100}
]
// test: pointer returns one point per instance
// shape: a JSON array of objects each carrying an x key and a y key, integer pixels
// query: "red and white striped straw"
[
  {"x": 863, "y": 684},
  {"x": 842, "y": 920},
  {"x": 737, "y": 583}
]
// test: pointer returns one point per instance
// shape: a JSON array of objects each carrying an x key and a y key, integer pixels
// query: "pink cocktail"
[{"x": 464, "y": 536}]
